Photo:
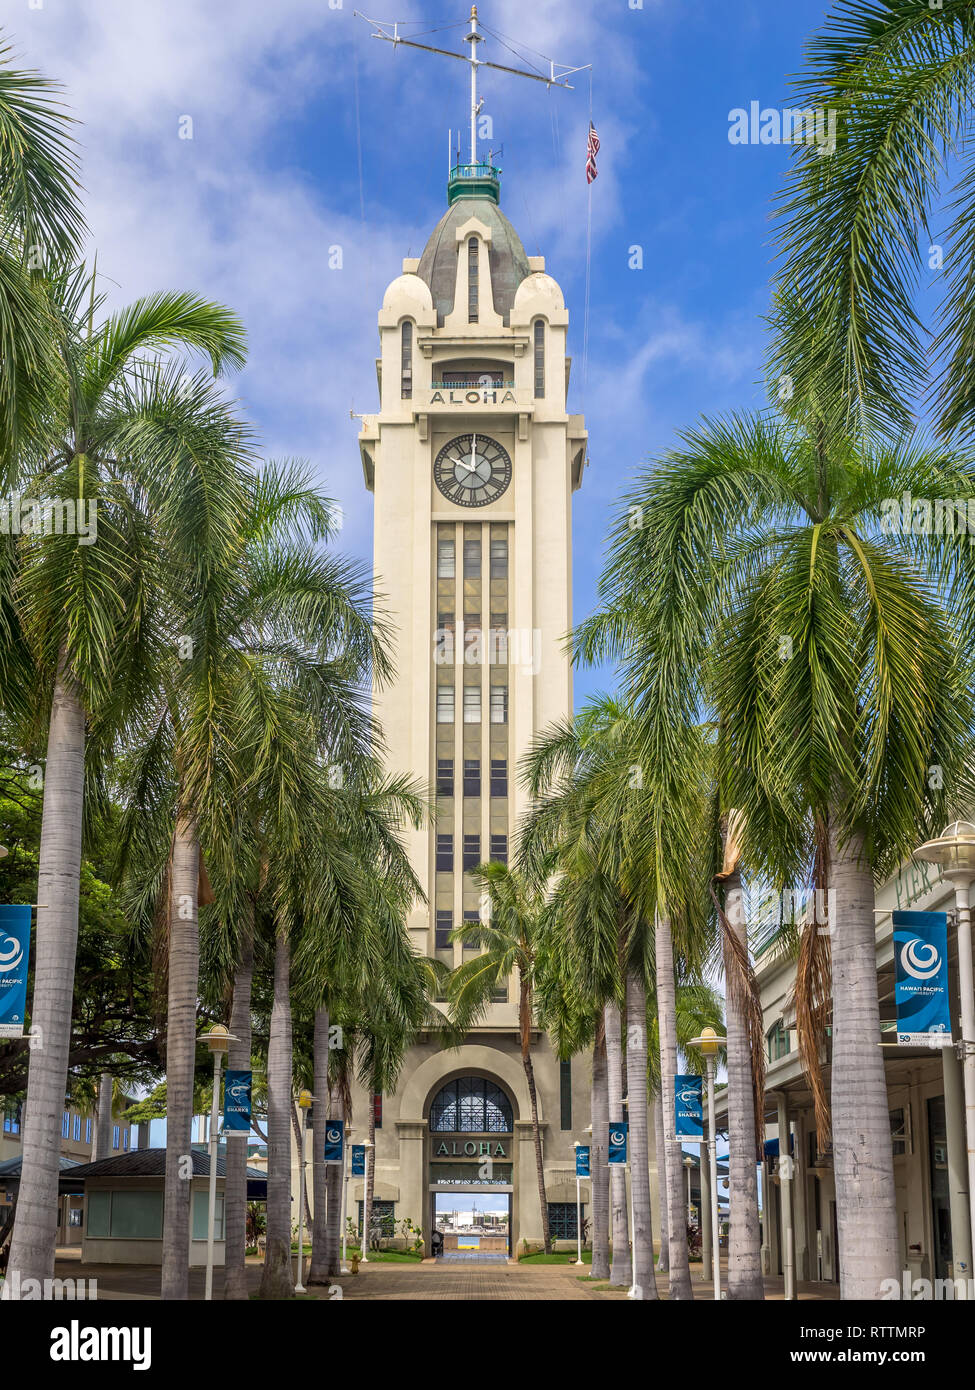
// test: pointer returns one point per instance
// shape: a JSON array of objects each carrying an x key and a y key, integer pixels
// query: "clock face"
[{"x": 472, "y": 470}]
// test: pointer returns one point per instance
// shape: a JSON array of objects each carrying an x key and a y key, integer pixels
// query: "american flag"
[{"x": 591, "y": 152}]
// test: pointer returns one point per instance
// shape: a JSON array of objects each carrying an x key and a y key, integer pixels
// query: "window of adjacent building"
[
  {"x": 11, "y": 1121},
  {"x": 499, "y": 995},
  {"x": 499, "y": 849},
  {"x": 472, "y": 559},
  {"x": 539, "y": 358},
  {"x": 900, "y": 1131},
  {"x": 472, "y": 851},
  {"x": 499, "y": 704},
  {"x": 445, "y": 704},
  {"x": 139, "y": 1215},
  {"x": 499, "y": 559},
  {"x": 565, "y": 1095},
  {"x": 406, "y": 361},
  {"x": 65, "y": 1125},
  {"x": 377, "y": 1109},
  {"x": 446, "y": 568},
  {"x": 499, "y": 776},
  {"x": 88, "y": 1131},
  {"x": 200, "y": 1213},
  {"x": 472, "y": 704},
  {"x": 499, "y": 620},
  {"x": 562, "y": 1220},
  {"x": 125, "y": 1139},
  {"x": 445, "y": 854},
  {"x": 116, "y": 1136},
  {"x": 445, "y": 776},
  {"x": 472, "y": 280},
  {"x": 442, "y": 929},
  {"x": 777, "y": 1041},
  {"x": 471, "y": 1105},
  {"x": 76, "y": 1129},
  {"x": 445, "y": 622},
  {"x": 472, "y": 777}
]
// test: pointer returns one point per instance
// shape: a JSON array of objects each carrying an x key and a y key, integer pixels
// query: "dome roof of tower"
[{"x": 506, "y": 255}]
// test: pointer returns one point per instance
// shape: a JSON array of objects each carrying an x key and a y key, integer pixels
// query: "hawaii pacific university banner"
[
  {"x": 15, "y": 920},
  {"x": 334, "y": 1141},
  {"x": 617, "y": 1143},
  {"x": 237, "y": 1102},
  {"x": 582, "y": 1161},
  {"x": 358, "y": 1160},
  {"x": 689, "y": 1108},
  {"x": 921, "y": 978}
]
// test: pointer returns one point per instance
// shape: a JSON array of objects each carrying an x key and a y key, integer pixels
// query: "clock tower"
[{"x": 472, "y": 460}]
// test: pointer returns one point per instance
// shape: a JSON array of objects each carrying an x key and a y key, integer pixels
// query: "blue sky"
[{"x": 247, "y": 209}]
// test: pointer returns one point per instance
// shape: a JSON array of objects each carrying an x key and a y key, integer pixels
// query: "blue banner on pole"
[
  {"x": 334, "y": 1141},
  {"x": 237, "y": 1102},
  {"x": 582, "y": 1161},
  {"x": 14, "y": 962},
  {"x": 617, "y": 1143},
  {"x": 921, "y": 978},
  {"x": 689, "y": 1108},
  {"x": 358, "y": 1160}
]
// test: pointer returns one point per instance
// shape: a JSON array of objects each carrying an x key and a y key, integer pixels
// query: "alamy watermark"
[
  {"x": 928, "y": 516},
  {"x": 758, "y": 125},
  {"x": 49, "y": 516}
]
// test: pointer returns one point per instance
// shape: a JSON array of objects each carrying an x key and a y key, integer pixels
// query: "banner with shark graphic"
[
  {"x": 921, "y": 979},
  {"x": 237, "y": 1102},
  {"x": 689, "y": 1108},
  {"x": 15, "y": 920}
]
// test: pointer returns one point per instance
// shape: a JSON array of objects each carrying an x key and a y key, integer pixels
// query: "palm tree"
[
  {"x": 896, "y": 78},
  {"x": 767, "y": 585},
  {"x": 513, "y": 943},
  {"x": 140, "y": 444}
]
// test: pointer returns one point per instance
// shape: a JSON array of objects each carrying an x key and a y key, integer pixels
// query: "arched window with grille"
[
  {"x": 471, "y": 1105},
  {"x": 539, "y": 358},
  {"x": 472, "y": 279},
  {"x": 406, "y": 361}
]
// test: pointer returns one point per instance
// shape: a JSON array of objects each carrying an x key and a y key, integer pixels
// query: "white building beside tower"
[{"x": 473, "y": 460}]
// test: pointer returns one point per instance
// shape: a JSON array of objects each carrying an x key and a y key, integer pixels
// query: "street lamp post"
[
  {"x": 578, "y": 1146},
  {"x": 689, "y": 1165},
  {"x": 304, "y": 1105},
  {"x": 709, "y": 1044},
  {"x": 217, "y": 1039},
  {"x": 954, "y": 851},
  {"x": 346, "y": 1154},
  {"x": 364, "y": 1256}
]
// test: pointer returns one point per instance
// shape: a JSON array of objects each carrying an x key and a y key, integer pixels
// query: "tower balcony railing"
[{"x": 474, "y": 180}]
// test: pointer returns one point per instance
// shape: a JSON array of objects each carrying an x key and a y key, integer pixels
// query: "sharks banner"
[
  {"x": 617, "y": 1143},
  {"x": 689, "y": 1108},
  {"x": 921, "y": 979},
  {"x": 334, "y": 1141},
  {"x": 237, "y": 1102},
  {"x": 14, "y": 960},
  {"x": 358, "y": 1160},
  {"x": 582, "y": 1161}
]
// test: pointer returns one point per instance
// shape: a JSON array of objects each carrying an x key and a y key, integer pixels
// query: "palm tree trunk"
[
  {"x": 239, "y": 1059},
  {"x": 58, "y": 888},
  {"x": 537, "y": 1138},
  {"x": 318, "y": 1273},
  {"x": 744, "y": 1236},
  {"x": 370, "y": 1187},
  {"x": 636, "y": 1090},
  {"x": 680, "y": 1269},
  {"x": 621, "y": 1268},
  {"x": 184, "y": 970},
  {"x": 102, "y": 1146},
  {"x": 599, "y": 1179},
  {"x": 866, "y": 1211},
  {"x": 333, "y": 1192},
  {"x": 277, "y": 1280},
  {"x": 660, "y": 1146}
]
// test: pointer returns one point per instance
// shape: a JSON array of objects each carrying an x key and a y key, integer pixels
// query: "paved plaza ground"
[{"x": 468, "y": 1281}]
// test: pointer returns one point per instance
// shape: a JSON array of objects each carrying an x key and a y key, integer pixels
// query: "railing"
[
  {"x": 472, "y": 384},
  {"x": 475, "y": 171}
]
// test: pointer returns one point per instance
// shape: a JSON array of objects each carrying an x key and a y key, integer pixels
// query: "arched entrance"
[{"x": 471, "y": 1169}]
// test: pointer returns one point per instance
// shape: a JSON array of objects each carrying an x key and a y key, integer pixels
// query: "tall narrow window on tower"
[
  {"x": 472, "y": 280},
  {"x": 406, "y": 361},
  {"x": 539, "y": 359}
]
